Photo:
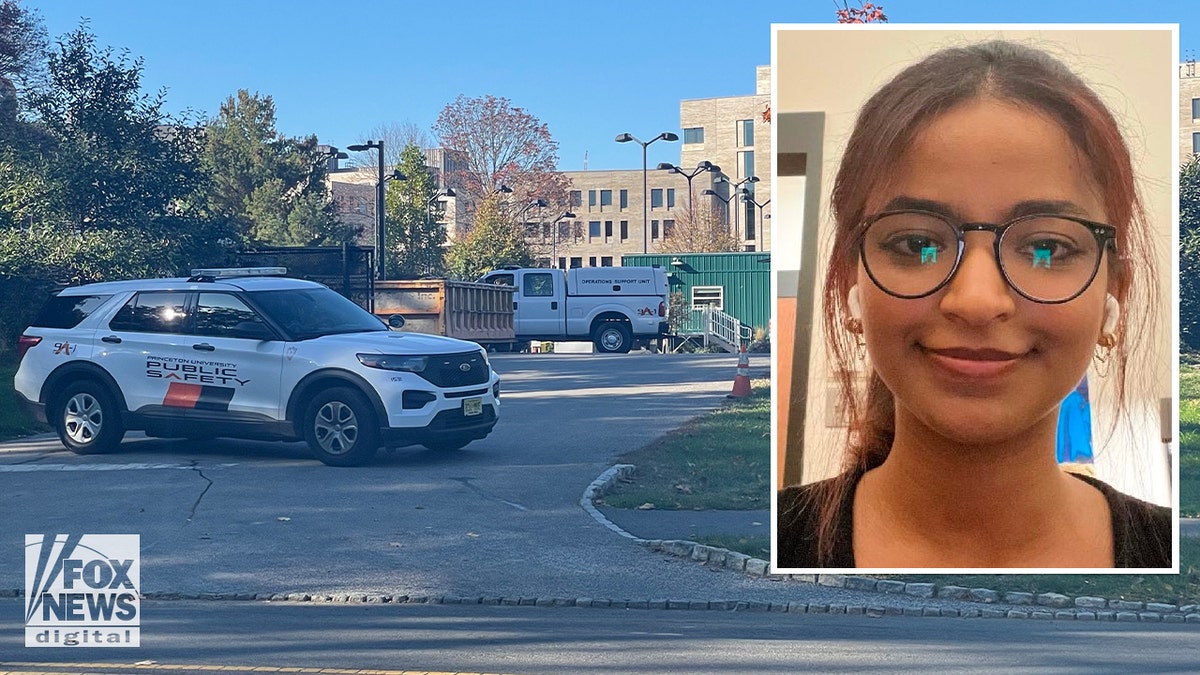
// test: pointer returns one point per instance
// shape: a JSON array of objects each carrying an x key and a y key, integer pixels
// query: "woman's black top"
[{"x": 1141, "y": 531}]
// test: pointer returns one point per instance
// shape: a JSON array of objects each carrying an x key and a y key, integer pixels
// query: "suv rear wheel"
[
  {"x": 87, "y": 419},
  {"x": 340, "y": 427}
]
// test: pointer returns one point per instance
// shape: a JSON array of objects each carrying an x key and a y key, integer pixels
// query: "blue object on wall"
[{"x": 1075, "y": 426}]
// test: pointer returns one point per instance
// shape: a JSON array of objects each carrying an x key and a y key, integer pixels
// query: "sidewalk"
[{"x": 663, "y": 524}]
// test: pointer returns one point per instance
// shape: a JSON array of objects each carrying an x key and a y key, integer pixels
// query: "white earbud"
[
  {"x": 1112, "y": 314},
  {"x": 854, "y": 305}
]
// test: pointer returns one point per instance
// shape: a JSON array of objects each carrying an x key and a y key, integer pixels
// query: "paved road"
[
  {"x": 498, "y": 518},
  {"x": 448, "y": 638}
]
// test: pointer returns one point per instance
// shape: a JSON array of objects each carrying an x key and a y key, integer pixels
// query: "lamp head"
[
  {"x": 449, "y": 193},
  {"x": 624, "y": 138},
  {"x": 668, "y": 136},
  {"x": 709, "y": 192},
  {"x": 358, "y": 147},
  {"x": 666, "y": 166},
  {"x": 566, "y": 214},
  {"x": 752, "y": 179}
]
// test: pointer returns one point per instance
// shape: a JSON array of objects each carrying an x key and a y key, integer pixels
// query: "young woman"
[{"x": 988, "y": 235}]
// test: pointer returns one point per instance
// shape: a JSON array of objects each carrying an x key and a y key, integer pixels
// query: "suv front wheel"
[
  {"x": 87, "y": 419},
  {"x": 340, "y": 427}
]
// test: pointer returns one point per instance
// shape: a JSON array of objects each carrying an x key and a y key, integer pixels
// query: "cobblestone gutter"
[{"x": 1020, "y": 605}]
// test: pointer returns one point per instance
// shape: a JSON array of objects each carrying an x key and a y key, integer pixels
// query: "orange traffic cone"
[{"x": 741, "y": 383}]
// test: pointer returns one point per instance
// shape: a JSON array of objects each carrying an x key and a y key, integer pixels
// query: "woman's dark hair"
[{"x": 886, "y": 127}]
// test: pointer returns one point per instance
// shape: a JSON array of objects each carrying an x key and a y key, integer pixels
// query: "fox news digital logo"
[{"x": 82, "y": 590}]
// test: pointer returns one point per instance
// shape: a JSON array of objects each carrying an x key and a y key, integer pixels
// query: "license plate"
[{"x": 472, "y": 406}]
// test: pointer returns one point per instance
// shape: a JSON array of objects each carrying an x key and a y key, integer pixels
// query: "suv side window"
[
  {"x": 538, "y": 285},
  {"x": 66, "y": 311},
  {"x": 154, "y": 312},
  {"x": 225, "y": 315}
]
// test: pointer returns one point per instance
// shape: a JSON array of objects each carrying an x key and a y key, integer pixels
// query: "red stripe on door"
[{"x": 180, "y": 395}]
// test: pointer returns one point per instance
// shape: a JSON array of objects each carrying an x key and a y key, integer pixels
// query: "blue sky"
[{"x": 590, "y": 70}]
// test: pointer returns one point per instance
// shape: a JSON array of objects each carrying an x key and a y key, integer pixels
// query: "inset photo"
[{"x": 974, "y": 255}]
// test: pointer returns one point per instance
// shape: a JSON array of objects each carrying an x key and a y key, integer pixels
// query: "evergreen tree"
[
  {"x": 415, "y": 239},
  {"x": 271, "y": 188},
  {"x": 1189, "y": 253}
]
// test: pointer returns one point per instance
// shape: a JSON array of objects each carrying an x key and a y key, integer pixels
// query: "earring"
[
  {"x": 1103, "y": 355},
  {"x": 853, "y": 323}
]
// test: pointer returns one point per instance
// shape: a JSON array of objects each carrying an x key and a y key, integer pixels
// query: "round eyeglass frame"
[{"x": 1105, "y": 239}]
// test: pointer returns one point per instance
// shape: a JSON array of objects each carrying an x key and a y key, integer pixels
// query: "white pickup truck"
[{"x": 609, "y": 306}]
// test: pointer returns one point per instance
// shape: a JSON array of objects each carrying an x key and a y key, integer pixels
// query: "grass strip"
[{"x": 720, "y": 460}]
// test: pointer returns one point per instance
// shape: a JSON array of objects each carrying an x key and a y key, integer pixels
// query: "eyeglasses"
[{"x": 1047, "y": 258}]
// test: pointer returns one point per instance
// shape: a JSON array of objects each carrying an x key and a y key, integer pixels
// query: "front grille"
[{"x": 448, "y": 370}]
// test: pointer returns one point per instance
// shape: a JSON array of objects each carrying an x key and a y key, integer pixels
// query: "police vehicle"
[{"x": 248, "y": 353}]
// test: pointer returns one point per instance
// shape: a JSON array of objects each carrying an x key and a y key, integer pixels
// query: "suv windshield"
[{"x": 313, "y": 312}]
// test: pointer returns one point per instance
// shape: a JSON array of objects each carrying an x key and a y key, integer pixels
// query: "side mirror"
[{"x": 395, "y": 321}]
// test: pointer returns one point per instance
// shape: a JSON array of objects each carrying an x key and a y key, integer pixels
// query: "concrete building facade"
[
  {"x": 1189, "y": 110},
  {"x": 730, "y": 132}
]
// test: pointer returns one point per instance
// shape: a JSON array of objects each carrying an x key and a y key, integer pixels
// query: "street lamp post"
[
  {"x": 700, "y": 168},
  {"x": 380, "y": 241},
  {"x": 733, "y": 192},
  {"x": 554, "y": 236},
  {"x": 625, "y": 138},
  {"x": 750, "y": 200},
  {"x": 713, "y": 193}
]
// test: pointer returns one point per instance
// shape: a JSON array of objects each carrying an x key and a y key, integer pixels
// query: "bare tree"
[
  {"x": 699, "y": 231},
  {"x": 395, "y": 136}
]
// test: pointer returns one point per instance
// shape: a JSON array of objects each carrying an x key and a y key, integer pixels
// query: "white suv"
[{"x": 227, "y": 353}]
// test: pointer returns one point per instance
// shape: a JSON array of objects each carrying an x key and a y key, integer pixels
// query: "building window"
[
  {"x": 656, "y": 198},
  {"x": 591, "y": 261},
  {"x": 750, "y": 221},
  {"x": 577, "y": 230},
  {"x": 576, "y": 198},
  {"x": 745, "y": 133},
  {"x": 593, "y": 228},
  {"x": 1196, "y": 108},
  {"x": 670, "y": 198},
  {"x": 668, "y": 228},
  {"x": 624, "y": 230},
  {"x": 591, "y": 198},
  {"x": 624, "y": 199},
  {"x": 1195, "y": 143},
  {"x": 746, "y": 164},
  {"x": 654, "y": 229},
  {"x": 607, "y": 229},
  {"x": 693, "y": 135},
  {"x": 576, "y": 261},
  {"x": 606, "y": 198},
  {"x": 562, "y": 263},
  {"x": 708, "y": 296},
  {"x": 606, "y": 261}
]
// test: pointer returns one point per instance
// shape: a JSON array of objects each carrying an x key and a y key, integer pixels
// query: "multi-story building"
[
  {"x": 1189, "y": 110},
  {"x": 730, "y": 132},
  {"x": 611, "y": 217}
]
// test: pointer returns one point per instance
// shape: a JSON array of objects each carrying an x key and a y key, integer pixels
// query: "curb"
[
  {"x": 869, "y": 610},
  {"x": 1031, "y": 605}
]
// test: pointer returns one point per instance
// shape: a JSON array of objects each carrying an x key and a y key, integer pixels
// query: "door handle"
[
  {"x": 204, "y": 347},
  {"x": 111, "y": 338},
  {"x": 554, "y": 304},
  {"x": 514, "y": 306}
]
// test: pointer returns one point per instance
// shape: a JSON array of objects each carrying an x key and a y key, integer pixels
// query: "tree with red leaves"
[
  {"x": 500, "y": 144},
  {"x": 867, "y": 13}
]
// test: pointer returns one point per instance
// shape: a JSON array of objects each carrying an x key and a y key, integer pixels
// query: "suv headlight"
[
  {"x": 483, "y": 355},
  {"x": 408, "y": 364}
]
